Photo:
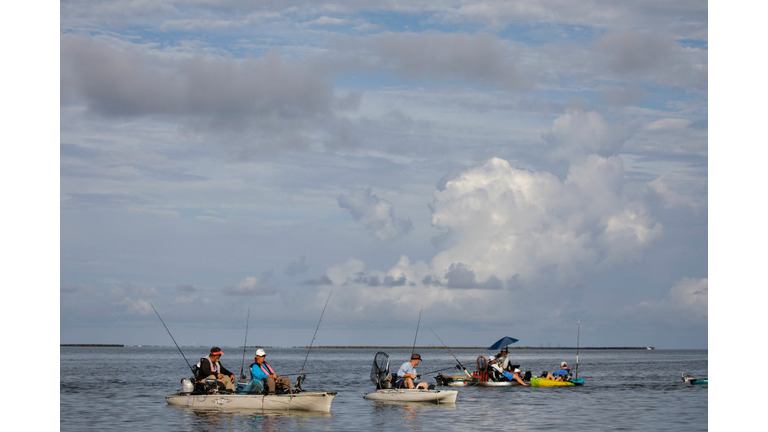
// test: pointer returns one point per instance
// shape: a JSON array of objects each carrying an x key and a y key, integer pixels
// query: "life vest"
[
  {"x": 267, "y": 371},
  {"x": 215, "y": 368}
]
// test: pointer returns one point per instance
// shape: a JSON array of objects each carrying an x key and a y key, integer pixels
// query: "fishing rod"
[
  {"x": 245, "y": 343},
  {"x": 301, "y": 373},
  {"x": 457, "y": 360},
  {"x": 578, "y": 334},
  {"x": 417, "y": 331},
  {"x": 439, "y": 370},
  {"x": 174, "y": 340}
]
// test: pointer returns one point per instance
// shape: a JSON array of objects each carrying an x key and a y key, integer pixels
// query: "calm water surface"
[{"x": 125, "y": 388}]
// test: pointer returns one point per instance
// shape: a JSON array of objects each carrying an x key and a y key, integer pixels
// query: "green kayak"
[{"x": 544, "y": 382}]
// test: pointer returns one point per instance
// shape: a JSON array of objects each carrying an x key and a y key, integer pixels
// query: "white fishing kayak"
[
  {"x": 317, "y": 401},
  {"x": 413, "y": 395}
]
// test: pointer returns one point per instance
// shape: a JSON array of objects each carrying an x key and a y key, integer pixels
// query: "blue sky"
[{"x": 512, "y": 167}]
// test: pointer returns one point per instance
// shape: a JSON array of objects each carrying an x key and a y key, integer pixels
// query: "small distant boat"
[
  {"x": 544, "y": 382},
  {"x": 689, "y": 380},
  {"x": 385, "y": 391}
]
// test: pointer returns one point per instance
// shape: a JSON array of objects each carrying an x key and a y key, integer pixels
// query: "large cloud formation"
[
  {"x": 506, "y": 222},
  {"x": 510, "y": 228}
]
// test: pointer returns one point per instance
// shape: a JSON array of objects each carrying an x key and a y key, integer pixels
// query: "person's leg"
[
  {"x": 409, "y": 383},
  {"x": 284, "y": 384},
  {"x": 226, "y": 382},
  {"x": 219, "y": 384},
  {"x": 270, "y": 385}
]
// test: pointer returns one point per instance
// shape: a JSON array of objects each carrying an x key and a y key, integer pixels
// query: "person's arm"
[
  {"x": 274, "y": 375},
  {"x": 403, "y": 372},
  {"x": 227, "y": 372}
]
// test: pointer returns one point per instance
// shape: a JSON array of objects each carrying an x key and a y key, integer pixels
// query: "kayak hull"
[
  {"x": 455, "y": 380},
  {"x": 413, "y": 395},
  {"x": 463, "y": 381},
  {"x": 544, "y": 382},
  {"x": 316, "y": 401}
]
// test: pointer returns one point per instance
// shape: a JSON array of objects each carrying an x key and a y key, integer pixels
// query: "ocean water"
[{"x": 639, "y": 390}]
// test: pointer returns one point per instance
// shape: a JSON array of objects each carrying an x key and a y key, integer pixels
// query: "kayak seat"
[{"x": 398, "y": 383}]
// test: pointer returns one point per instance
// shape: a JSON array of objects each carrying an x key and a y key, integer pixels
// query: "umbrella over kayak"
[{"x": 506, "y": 340}]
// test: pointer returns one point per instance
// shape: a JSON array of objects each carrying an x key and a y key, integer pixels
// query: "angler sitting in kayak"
[
  {"x": 210, "y": 368},
  {"x": 502, "y": 359},
  {"x": 499, "y": 364},
  {"x": 562, "y": 374},
  {"x": 515, "y": 376},
  {"x": 260, "y": 370},
  {"x": 406, "y": 375}
]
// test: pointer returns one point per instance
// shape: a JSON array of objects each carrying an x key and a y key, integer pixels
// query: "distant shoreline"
[
  {"x": 484, "y": 348},
  {"x": 93, "y": 345},
  {"x": 395, "y": 347}
]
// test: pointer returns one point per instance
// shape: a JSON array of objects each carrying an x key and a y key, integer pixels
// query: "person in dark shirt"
[{"x": 210, "y": 368}]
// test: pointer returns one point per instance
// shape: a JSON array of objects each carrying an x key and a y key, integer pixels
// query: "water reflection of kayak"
[{"x": 544, "y": 382}]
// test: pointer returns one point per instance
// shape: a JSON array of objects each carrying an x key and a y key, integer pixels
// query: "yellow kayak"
[{"x": 543, "y": 382}]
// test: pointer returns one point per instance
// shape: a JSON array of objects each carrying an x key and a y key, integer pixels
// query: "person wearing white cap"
[
  {"x": 261, "y": 370},
  {"x": 560, "y": 375},
  {"x": 515, "y": 376},
  {"x": 210, "y": 368}
]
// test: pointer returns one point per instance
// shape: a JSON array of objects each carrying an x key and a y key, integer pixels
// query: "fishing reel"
[
  {"x": 299, "y": 380},
  {"x": 208, "y": 386}
]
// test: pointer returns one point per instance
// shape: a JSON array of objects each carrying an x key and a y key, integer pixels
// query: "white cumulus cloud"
[{"x": 506, "y": 222}]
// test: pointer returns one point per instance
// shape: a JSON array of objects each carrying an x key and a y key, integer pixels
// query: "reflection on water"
[
  {"x": 628, "y": 389},
  {"x": 196, "y": 419}
]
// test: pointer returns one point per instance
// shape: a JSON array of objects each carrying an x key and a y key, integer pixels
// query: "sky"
[{"x": 534, "y": 169}]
